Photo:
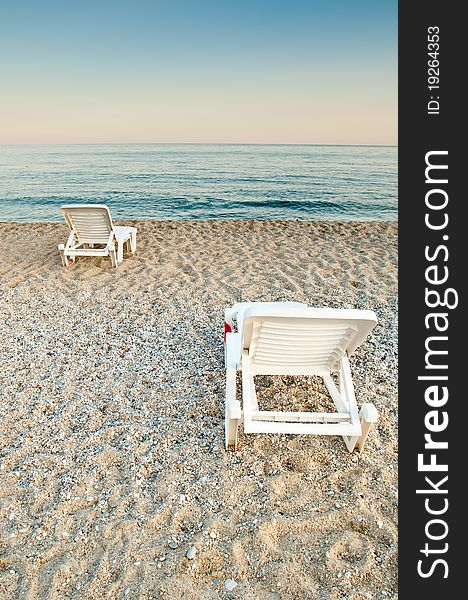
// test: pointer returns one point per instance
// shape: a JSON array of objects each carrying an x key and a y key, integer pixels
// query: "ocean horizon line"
[{"x": 313, "y": 144}]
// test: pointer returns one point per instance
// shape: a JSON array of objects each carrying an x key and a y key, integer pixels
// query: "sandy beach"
[{"x": 112, "y": 460}]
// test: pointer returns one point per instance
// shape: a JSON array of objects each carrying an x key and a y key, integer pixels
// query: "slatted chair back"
[
  {"x": 306, "y": 341},
  {"x": 90, "y": 224}
]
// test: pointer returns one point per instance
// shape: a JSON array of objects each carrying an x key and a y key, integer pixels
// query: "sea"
[{"x": 201, "y": 181}]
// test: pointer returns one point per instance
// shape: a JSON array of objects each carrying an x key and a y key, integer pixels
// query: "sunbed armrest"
[
  {"x": 233, "y": 351},
  {"x": 369, "y": 413}
]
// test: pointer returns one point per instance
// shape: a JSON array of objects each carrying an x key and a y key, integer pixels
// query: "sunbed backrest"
[
  {"x": 91, "y": 224},
  {"x": 299, "y": 342},
  {"x": 313, "y": 338}
]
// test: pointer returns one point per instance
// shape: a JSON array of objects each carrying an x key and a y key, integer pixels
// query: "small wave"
[{"x": 201, "y": 181}]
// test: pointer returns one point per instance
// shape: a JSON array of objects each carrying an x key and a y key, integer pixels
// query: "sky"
[{"x": 256, "y": 71}]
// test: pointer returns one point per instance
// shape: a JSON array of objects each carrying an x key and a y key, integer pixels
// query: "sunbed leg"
[
  {"x": 232, "y": 411},
  {"x": 368, "y": 415},
  {"x": 133, "y": 242},
  {"x": 119, "y": 251},
  {"x": 113, "y": 257},
  {"x": 232, "y": 420},
  {"x": 64, "y": 258},
  {"x": 350, "y": 442}
]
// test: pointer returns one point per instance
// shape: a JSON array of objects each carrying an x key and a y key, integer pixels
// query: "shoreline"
[
  {"x": 112, "y": 418},
  {"x": 216, "y": 219}
]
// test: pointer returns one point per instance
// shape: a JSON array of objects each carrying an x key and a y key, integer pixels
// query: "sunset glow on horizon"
[{"x": 249, "y": 72}]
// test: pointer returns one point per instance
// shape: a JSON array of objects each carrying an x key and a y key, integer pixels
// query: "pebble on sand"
[{"x": 230, "y": 584}]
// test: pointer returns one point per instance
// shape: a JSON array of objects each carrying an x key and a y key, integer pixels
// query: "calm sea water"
[{"x": 195, "y": 181}]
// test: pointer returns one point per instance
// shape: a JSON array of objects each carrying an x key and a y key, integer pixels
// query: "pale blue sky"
[{"x": 199, "y": 71}]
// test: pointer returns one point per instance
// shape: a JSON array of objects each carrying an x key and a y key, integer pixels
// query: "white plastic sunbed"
[
  {"x": 289, "y": 338},
  {"x": 92, "y": 233}
]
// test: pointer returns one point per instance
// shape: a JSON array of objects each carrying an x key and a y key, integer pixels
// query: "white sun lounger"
[
  {"x": 287, "y": 338},
  {"x": 92, "y": 233}
]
